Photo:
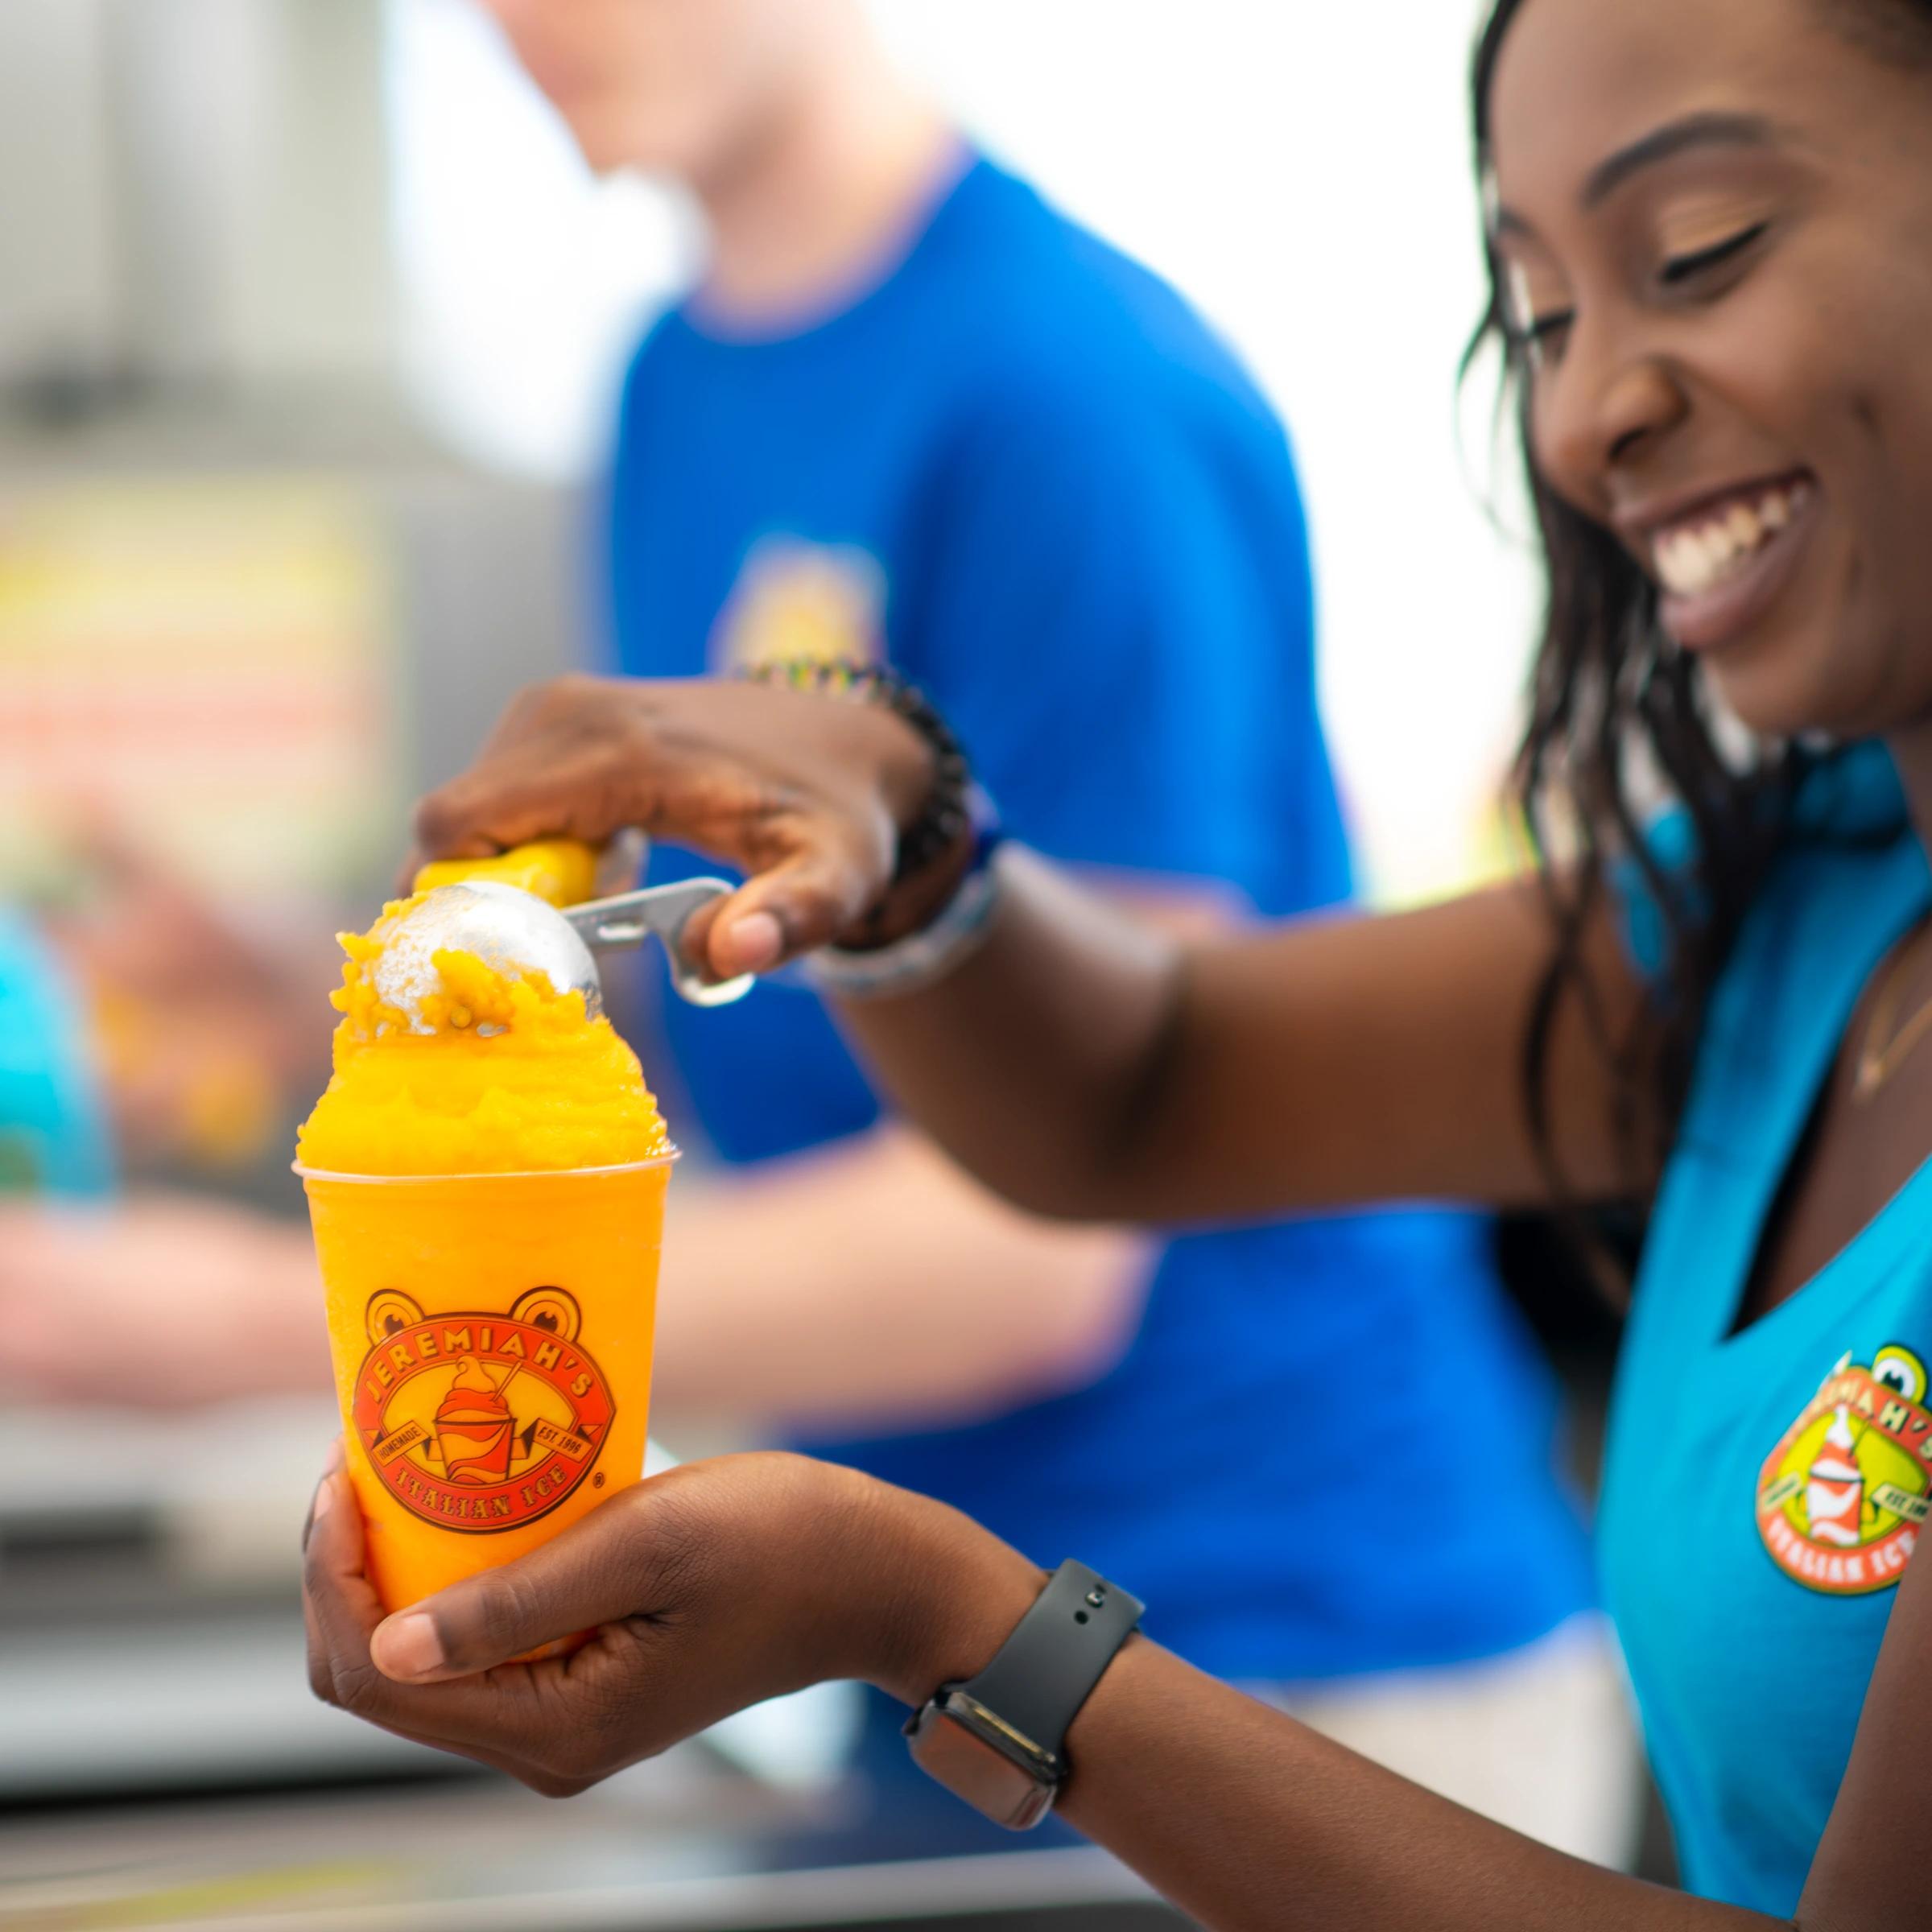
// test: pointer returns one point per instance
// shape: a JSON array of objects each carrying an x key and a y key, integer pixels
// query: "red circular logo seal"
[
  {"x": 476, "y": 1422},
  {"x": 1844, "y": 1498}
]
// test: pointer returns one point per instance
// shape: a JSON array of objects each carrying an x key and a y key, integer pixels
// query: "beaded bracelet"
[
  {"x": 948, "y": 811},
  {"x": 956, "y": 806}
]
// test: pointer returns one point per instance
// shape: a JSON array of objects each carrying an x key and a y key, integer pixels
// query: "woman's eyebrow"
[
  {"x": 1652, "y": 150},
  {"x": 1674, "y": 138}
]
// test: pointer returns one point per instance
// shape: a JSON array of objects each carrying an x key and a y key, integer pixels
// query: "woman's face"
[{"x": 1714, "y": 218}]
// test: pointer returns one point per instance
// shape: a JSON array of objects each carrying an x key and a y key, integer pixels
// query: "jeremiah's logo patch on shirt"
[
  {"x": 1841, "y": 1498},
  {"x": 795, "y": 601}
]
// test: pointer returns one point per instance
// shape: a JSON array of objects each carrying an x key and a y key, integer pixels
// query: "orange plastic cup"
[{"x": 492, "y": 1336}]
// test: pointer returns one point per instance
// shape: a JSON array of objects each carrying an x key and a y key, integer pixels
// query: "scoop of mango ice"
[{"x": 512, "y": 1077}]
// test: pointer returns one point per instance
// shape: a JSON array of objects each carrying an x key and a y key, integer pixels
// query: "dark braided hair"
[{"x": 1618, "y": 719}]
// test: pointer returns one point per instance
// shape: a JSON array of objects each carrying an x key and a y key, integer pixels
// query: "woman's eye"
[
  {"x": 1679, "y": 269},
  {"x": 1541, "y": 336}
]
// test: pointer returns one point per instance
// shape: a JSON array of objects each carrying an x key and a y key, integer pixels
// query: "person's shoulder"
[
  {"x": 661, "y": 390},
  {"x": 666, "y": 336},
  {"x": 1842, "y": 835},
  {"x": 665, "y": 339},
  {"x": 1053, "y": 300}
]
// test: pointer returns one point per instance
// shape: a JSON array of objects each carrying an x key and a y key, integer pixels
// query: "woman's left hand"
[
  {"x": 725, "y": 1583},
  {"x": 709, "y": 1588}
]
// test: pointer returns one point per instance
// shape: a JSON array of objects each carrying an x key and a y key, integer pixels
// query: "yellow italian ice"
[
  {"x": 501, "y": 1076},
  {"x": 486, "y": 1177}
]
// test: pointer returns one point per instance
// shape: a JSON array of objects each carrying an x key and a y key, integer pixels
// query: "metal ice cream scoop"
[{"x": 514, "y": 932}]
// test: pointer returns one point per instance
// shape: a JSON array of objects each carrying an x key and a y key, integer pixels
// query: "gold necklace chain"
[{"x": 1877, "y": 1064}]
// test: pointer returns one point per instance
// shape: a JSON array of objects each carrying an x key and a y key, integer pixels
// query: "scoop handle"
[
  {"x": 563, "y": 872},
  {"x": 623, "y": 923}
]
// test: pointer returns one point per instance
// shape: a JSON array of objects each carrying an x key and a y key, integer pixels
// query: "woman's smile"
[{"x": 1723, "y": 558}]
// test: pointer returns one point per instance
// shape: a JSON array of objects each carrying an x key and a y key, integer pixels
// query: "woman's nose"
[{"x": 1599, "y": 414}]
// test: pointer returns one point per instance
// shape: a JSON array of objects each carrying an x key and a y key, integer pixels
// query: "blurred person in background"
[
  {"x": 142, "y": 1036},
  {"x": 911, "y": 415},
  {"x": 53, "y": 1129}
]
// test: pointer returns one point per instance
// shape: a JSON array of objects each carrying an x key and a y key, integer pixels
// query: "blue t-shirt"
[
  {"x": 1763, "y": 1489},
  {"x": 1023, "y": 468},
  {"x": 52, "y": 1136}
]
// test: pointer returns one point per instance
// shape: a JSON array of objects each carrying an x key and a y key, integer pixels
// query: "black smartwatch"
[{"x": 999, "y": 1741}]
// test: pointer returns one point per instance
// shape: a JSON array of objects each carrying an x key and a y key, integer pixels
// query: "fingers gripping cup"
[{"x": 487, "y": 1200}]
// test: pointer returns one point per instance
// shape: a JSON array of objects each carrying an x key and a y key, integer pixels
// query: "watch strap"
[
  {"x": 924, "y": 957},
  {"x": 946, "y": 817},
  {"x": 1058, "y": 1652}
]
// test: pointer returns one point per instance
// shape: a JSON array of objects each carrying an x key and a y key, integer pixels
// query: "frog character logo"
[
  {"x": 478, "y": 1422},
  {"x": 1841, "y": 1499}
]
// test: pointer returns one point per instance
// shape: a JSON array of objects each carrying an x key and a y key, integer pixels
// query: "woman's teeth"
[{"x": 1695, "y": 557}]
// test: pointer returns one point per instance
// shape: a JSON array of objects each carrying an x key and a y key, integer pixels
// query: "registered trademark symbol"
[{"x": 597, "y": 1482}]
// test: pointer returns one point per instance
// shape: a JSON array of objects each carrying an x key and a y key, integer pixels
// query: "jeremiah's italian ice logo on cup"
[{"x": 481, "y": 1421}]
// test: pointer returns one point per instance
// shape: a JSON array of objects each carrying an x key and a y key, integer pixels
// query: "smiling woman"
[
  {"x": 1715, "y": 342},
  {"x": 1712, "y": 241}
]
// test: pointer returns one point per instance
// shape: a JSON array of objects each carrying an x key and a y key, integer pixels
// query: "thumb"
[
  {"x": 602, "y": 1568},
  {"x": 804, "y": 901}
]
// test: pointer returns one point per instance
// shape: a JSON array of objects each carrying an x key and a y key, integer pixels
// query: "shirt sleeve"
[
  {"x": 53, "y": 1134},
  {"x": 1113, "y": 608}
]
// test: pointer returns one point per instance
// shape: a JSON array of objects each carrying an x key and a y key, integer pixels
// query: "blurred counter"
[
  {"x": 673, "y": 1845},
  {"x": 163, "y": 1763},
  {"x": 151, "y": 1639}
]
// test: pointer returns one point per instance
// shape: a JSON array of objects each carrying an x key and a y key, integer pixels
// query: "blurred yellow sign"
[{"x": 209, "y": 663}]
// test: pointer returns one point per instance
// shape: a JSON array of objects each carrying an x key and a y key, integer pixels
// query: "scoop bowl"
[{"x": 515, "y": 933}]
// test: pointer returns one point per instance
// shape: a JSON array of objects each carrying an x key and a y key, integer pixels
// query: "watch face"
[{"x": 973, "y": 1769}]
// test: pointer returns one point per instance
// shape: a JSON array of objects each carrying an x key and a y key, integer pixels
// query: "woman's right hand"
[{"x": 807, "y": 795}]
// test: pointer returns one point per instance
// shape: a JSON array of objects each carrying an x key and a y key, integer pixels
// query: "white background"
[{"x": 1301, "y": 171}]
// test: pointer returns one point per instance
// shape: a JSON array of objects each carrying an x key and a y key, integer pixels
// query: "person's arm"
[
  {"x": 871, "y": 1285},
  {"x": 201, "y": 1031},
  {"x": 115, "y": 1302},
  {"x": 725, "y": 1583},
  {"x": 1079, "y": 1063},
  {"x": 1082, "y": 1065}
]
